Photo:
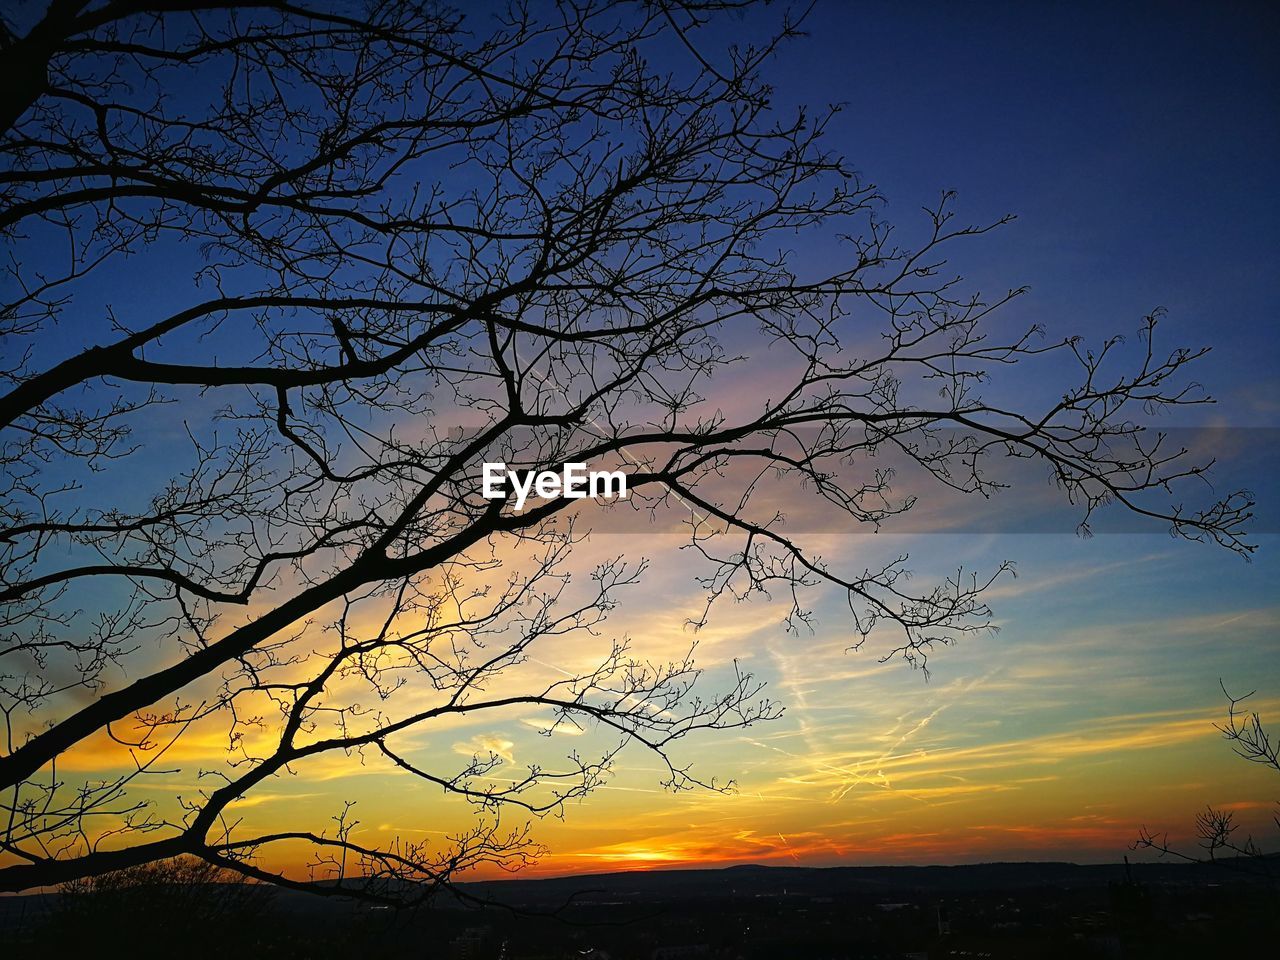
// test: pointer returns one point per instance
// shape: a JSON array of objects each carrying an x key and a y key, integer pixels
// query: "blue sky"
[{"x": 1136, "y": 143}]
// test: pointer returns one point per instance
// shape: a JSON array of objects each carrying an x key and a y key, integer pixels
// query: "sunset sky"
[{"x": 1138, "y": 150}]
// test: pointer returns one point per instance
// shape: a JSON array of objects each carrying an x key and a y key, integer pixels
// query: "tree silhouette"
[
  {"x": 1216, "y": 830},
  {"x": 261, "y": 255},
  {"x": 183, "y": 901}
]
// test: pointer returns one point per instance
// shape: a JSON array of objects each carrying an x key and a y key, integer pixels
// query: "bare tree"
[
  {"x": 175, "y": 901},
  {"x": 1216, "y": 830},
  {"x": 270, "y": 249}
]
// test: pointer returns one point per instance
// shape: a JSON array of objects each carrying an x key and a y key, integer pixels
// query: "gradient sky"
[{"x": 1138, "y": 148}]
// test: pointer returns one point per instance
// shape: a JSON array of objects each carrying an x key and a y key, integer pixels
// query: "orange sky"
[{"x": 1088, "y": 715}]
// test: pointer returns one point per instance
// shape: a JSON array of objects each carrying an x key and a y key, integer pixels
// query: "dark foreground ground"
[{"x": 1024, "y": 910}]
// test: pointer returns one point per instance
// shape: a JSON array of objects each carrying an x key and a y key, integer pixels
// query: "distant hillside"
[
  {"x": 868, "y": 884},
  {"x": 887, "y": 881}
]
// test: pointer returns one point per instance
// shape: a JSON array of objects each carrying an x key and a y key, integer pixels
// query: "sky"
[{"x": 1137, "y": 145}]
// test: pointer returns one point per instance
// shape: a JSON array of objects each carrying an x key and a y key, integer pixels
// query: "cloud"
[
  {"x": 483, "y": 745},
  {"x": 543, "y": 725}
]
